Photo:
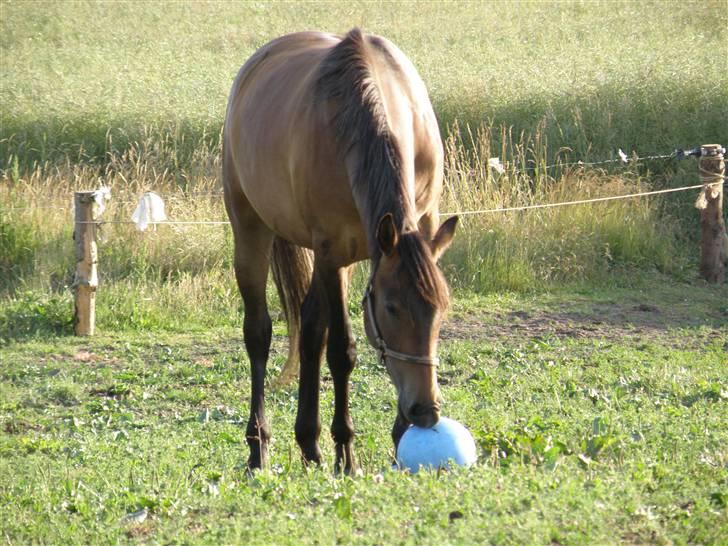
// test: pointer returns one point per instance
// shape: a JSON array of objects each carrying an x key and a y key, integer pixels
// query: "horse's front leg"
[
  {"x": 341, "y": 357},
  {"x": 252, "y": 239},
  {"x": 314, "y": 317}
]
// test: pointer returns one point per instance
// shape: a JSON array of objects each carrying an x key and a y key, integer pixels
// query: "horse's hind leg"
[{"x": 253, "y": 242}]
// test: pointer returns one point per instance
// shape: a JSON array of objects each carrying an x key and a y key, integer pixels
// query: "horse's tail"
[{"x": 292, "y": 268}]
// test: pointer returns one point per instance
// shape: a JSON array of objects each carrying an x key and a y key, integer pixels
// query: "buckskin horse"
[{"x": 332, "y": 155}]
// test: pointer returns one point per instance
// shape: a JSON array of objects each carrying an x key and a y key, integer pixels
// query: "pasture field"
[
  {"x": 581, "y": 349},
  {"x": 599, "y": 415},
  {"x": 132, "y": 94},
  {"x": 81, "y": 79}
]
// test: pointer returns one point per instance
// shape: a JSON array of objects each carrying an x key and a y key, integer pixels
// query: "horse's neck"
[
  {"x": 381, "y": 190},
  {"x": 348, "y": 79}
]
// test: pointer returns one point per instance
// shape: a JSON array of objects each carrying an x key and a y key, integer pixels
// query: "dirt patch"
[
  {"x": 84, "y": 355},
  {"x": 598, "y": 321}
]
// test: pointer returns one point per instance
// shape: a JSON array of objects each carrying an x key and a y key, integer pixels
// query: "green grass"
[
  {"x": 582, "y": 350},
  {"x": 165, "y": 276},
  {"x": 84, "y": 78},
  {"x": 599, "y": 418},
  {"x": 132, "y": 95}
]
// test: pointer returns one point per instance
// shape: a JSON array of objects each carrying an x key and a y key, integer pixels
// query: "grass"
[
  {"x": 139, "y": 107},
  {"x": 192, "y": 264},
  {"x": 599, "y": 419},
  {"x": 582, "y": 350},
  {"x": 76, "y": 73}
]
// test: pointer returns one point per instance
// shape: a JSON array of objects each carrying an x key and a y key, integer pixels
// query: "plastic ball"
[{"x": 445, "y": 444}]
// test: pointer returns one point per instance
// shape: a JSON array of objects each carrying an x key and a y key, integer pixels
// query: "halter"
[{"x": 381, "y": 346}]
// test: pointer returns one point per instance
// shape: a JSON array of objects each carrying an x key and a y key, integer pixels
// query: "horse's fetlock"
[
  {"x": 342, "y": 435},
  {"x": 258, "y": 431},
  {"x": 307, "y": 431}
]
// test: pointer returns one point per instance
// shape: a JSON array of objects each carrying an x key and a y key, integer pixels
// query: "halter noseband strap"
[{"x": 385, "y": 351}]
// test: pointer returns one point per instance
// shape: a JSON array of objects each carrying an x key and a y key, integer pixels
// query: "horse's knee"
[
  {"x": 257, "y": 323},
  {"x": 341, "y": 355}
]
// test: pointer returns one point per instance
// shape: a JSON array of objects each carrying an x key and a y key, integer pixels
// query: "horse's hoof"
[
  {"x": 347, "y": 462},
  {"x": 353, "y": 471},
  {"x": 312, "y": 456}
]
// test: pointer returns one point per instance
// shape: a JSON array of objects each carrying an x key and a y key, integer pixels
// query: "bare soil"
[{"x": 586, "y": 319}]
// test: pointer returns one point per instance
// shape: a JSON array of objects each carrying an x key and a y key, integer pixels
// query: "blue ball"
[{"x": 446, "y": 443}]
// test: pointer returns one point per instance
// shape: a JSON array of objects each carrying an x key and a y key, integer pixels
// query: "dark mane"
[
  {"x": 345, "y": 85},
  {"x": 359, "y": 121}
]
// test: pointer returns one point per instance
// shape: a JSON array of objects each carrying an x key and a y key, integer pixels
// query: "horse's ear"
[
  {"x": 443, "y": 237},
  {"x": 387, "y": 235}
]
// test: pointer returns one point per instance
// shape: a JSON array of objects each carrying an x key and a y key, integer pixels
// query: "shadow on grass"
[
  {"x": 35, "y": 314},
  {"x": 27, "y": 144},
  {"x": 652, "y": 119}
]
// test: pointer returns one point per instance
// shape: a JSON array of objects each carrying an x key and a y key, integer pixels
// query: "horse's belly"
[{"x": 271, "y": 198}]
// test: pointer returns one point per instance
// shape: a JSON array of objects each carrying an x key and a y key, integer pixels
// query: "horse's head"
[{"x": 403, "y": 308}]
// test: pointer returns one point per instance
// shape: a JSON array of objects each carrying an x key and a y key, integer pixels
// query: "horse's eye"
[{"x": 391, "y": 308}]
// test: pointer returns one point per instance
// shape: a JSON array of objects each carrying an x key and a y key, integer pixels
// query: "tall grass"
[
  {"x": 523, "y": 250},
  {"x": 635, "y": 75},
  {"x": 180, "y": 276},
  {"x": 132, "y": 96}
]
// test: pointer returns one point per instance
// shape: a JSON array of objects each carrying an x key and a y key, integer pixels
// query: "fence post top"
[
  {"x": 711, "y": 150},
  {"x": 85, "y": 197}
]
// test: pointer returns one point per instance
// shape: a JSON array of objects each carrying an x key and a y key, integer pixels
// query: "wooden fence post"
[
  {"x": 86, "y": 279},
  {"x": 713, "y": 240}
]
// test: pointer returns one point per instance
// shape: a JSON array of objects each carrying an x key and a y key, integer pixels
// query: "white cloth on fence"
[
  {"x": 100, "y": 196},
  {"x": 495, "y": 164},
  {"x": 150, "y": 210}
]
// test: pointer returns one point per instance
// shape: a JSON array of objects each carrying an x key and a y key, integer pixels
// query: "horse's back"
[
  {"x": 271, "y": 84},
  {"x": 264, "y": 123},
  {"x": 286, "y": 156},
  {"x": 298, "y": 51}
]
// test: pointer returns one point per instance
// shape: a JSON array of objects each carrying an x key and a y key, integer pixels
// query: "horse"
[{"x": 332, "y": 155}]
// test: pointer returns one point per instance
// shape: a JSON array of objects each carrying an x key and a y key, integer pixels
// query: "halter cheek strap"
[{"x": 385, "y": 351}]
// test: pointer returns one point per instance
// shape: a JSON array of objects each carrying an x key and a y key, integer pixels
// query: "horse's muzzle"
[{"x": 424, "y": 416}]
